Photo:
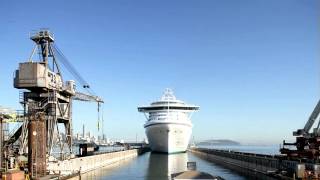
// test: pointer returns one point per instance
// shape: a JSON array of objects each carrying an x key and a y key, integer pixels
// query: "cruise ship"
[{"x": 168, "y": 126}]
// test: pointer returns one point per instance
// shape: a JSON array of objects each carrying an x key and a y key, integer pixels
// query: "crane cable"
[{"x": 66, "y": 63}]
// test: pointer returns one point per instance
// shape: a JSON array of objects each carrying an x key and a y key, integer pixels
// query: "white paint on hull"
[{"x": 168, "y": 137}]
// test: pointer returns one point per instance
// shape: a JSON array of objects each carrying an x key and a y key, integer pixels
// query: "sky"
[{"x": 252, "y": 66}]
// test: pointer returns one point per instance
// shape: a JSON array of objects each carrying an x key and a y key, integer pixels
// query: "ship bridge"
[{"x": 168, "y": 102}]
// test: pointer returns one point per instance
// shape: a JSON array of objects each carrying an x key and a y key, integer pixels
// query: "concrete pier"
[{"x": 81, "y": 165}]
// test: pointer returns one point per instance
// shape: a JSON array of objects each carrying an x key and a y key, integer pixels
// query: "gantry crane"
[
  {"x": 307, "y": 143},
  {"x": 47, "y": 101}
]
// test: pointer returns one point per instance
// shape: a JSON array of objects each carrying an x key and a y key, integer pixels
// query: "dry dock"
[
  {"x": 80, "y": 165},
  {"x": 271, "y": 166},
  {"x": 75, "y": 167}
]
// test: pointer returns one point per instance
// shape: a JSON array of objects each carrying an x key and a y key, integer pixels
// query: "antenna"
[{"x": 168, "y": 95}]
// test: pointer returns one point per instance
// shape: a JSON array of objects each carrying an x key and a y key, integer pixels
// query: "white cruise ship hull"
[{"x": 168, "y": 137}]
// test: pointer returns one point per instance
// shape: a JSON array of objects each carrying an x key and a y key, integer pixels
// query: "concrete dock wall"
[
  {"x": 89, "y": 163},
  {"x": 257, "y": 163}
]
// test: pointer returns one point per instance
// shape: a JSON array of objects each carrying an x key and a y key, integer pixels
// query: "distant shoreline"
[{"x": 218, "y": 142}]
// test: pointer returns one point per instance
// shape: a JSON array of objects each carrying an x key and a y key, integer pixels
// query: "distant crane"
[
  {"x": 307, "y": 145},
  {"x": 47, "y": 102}
]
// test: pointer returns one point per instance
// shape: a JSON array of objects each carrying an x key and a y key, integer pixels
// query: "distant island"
[{"x": 218, "y": 142}]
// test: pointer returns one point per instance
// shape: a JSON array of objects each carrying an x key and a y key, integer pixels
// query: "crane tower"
[{"x": 47, "y": 103}]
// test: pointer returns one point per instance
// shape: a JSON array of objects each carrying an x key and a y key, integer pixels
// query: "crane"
[
  {"x": 47, "y": 101},
  {"x": 307, "y": 142},
  {"x": 311, "y": 121}
]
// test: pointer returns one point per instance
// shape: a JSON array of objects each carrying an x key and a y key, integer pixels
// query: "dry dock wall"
[
  {"x": 275, "y": 166},
  {"x": 88, "y": 163},
  {"x": 260, "y": 164}
]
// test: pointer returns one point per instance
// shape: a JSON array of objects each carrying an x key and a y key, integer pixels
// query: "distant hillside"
[{"x": 218, "y": 142}]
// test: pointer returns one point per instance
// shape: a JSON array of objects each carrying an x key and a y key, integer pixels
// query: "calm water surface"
[{"x": 152, "y": 166}]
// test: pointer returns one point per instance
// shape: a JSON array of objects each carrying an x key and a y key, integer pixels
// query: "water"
[{"x": 152, "y": 166}]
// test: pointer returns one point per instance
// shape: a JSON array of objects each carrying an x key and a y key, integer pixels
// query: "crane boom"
[
  {"x": 313, "y": 117},
  {"x": 90, "y": 98},
  {"x": 307, "y": 145},
  {"x": 86, "y": 97}
]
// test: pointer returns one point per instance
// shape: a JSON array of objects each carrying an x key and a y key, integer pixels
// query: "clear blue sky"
[{"x": 252, "y": 66}]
